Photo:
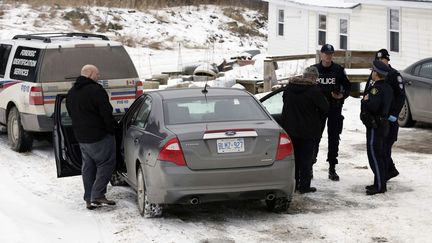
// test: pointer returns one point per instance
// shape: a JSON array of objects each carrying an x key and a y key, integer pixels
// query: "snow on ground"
[{"x": 36, "y": 206}]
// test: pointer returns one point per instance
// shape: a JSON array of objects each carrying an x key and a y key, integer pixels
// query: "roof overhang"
[
  {"x": 322, "y": 6},
  {"x": 425, "y": 4}
]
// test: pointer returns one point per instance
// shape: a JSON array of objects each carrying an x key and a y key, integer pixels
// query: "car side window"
[
  {"x": 274, "y": 103},
  {"x": 25, "y": 64},
  {"x": 4, "y": 57},
  {"x": 416, "y": 70},
  {"x": 142, "y": 114},
  {"x": 426, "y": 70}
]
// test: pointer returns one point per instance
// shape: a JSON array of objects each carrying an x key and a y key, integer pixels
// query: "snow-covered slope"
[{"x": 157, "y": 40}]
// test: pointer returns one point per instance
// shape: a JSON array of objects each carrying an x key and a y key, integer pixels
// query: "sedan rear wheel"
[
  {"x": 405, "y": 118},
  {"x": 146, "y": 209}
]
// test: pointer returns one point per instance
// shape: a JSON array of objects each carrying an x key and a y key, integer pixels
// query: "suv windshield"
[
  {"x": 65, "y": 64},
  {"x": 212, "y": 109}
]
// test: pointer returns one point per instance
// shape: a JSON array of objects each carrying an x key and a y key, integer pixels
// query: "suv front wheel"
[{"x": 19, "y": 140}]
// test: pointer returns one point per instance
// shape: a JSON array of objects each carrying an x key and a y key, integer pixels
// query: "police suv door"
[{"x": 66, "y": 147}]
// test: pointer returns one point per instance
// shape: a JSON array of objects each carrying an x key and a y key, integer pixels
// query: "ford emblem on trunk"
[{"x": 230, "y": 133}]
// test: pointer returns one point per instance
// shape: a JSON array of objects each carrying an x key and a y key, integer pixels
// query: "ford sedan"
[{"x": 191, "y": 146}]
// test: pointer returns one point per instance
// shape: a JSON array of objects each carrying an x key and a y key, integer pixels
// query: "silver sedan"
[{"x": 191, "y": 146}]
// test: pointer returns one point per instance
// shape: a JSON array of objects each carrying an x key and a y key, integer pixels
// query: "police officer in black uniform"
[
  {"x": 394, "y": 79},
  {"x": 336, "y": 87},
  {"x": 375, "y": 108}
]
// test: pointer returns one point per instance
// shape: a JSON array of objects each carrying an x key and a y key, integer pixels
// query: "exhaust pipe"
[
  {"x": 270, "y": 196},
  {"x": 194, "y": 201}
]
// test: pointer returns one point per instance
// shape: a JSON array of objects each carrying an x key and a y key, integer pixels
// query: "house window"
[
  {"x": 281, "y": 19},
  {"x": 343, "y": 34},
  {"x": 322, "y": 27},
  {"x": 394, "y": 20}
]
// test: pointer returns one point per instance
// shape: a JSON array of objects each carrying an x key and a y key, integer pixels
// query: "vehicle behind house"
[
  {"x": 35, "y": 68},
  {"x": 189, "y": 146}
]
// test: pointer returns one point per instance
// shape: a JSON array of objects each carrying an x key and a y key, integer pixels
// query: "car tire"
[
  {"x": 19, "y": 139},
  {"x": 146, "y": 209},
  {"x": 117, "y": 179},
  {"x": 405, "y": 117},
  {"x": 278, "y": 205}
]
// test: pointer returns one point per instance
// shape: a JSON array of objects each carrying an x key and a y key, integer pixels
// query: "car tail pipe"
[
  {"x": 194, "y": 201},
  {"x": 271, "y": 196}
]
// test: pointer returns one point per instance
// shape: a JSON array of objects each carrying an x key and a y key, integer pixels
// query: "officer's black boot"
[
  {"x": 332, "y": 173},
  {"x": 393, "y": 172}
]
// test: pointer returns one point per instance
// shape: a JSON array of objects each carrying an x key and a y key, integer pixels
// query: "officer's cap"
[
  {"x": 327, "y": 48},
  {"x": 383, "y": 53},
  {"x": 380, "y": 67}
]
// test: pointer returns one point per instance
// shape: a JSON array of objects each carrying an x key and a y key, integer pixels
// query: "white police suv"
[{"x": 34, "y": 68}]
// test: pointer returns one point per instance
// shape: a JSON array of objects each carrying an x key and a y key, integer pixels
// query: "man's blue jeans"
[{"x": 98, "y": 163}]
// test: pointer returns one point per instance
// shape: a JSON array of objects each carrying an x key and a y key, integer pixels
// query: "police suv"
[{"x": 35, "y": 68}]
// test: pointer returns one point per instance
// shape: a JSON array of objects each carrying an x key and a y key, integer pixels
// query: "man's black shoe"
[
  {"x": 333, "y": 175},
  {"x": 103, "y": 200},
  {"x": 374, "y": 191},
  {"x": 90, "y": 206},
  {"x": 307, "y": 190},
  {"x": 392, "y": 173}
]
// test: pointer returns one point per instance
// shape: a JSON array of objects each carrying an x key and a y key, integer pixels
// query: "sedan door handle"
[{"x": 409, "y": 82}]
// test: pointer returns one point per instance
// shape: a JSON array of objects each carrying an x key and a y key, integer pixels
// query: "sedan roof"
[{"x": 194, "y": 92}]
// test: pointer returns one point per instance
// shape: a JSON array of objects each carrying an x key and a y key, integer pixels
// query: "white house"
[{"x": 302, "y": 26}]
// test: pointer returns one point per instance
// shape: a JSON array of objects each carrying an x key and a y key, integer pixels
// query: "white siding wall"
[
  {"x": 416, "y": 35},
  {"x": 295, "y": 36},
  {"x": 367, "y": 30}
]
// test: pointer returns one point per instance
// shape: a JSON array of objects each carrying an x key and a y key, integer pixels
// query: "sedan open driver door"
[{"x": 66, "y": 147}]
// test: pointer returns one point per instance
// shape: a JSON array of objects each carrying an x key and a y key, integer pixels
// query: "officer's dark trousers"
[
  {"x": 98, "y": 163},
  {"x": 375, "y": 151},
  {"x": 388, "y": 144},
  {"x": 303, "y": 154},
  {"x": 334, "y": 120}
]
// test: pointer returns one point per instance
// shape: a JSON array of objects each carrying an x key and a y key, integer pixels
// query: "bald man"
[{"x": 93, "y": 125}]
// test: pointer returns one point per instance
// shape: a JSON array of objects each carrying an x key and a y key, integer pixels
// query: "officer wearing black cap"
[
  {"x": 394, "y": 79},
  {"x": 336, "y": 87},
  {"x": 375, "y": 108}
]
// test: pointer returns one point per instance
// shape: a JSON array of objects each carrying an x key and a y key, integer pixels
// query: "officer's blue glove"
[{"x": 392, "y": 118}]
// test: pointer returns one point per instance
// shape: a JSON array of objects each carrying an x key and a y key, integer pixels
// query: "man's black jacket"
[
  {"x": 91, "y": 112},
  {"x": 304, "y": 104}
]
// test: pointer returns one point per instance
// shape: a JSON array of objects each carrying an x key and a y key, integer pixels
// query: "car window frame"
[{"x": 138, "y": 112}]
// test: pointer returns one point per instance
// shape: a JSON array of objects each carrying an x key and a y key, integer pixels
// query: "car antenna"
[{"x": 205, "y": 91}]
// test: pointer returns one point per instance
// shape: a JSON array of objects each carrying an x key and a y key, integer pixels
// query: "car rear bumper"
[{"x": 170, "y": 184}]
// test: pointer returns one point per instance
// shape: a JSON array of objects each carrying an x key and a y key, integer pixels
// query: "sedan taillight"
[
  {"x": 285, "y": 147},
  {"x": 172, "y": 152}
]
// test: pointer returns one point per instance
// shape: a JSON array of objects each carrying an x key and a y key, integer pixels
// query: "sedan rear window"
[{"x": 212, "y": 109}]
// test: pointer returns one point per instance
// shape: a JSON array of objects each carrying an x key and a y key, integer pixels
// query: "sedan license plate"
[{"x": 232, "y": 145}]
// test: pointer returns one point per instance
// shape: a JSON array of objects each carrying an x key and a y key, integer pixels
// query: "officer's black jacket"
[
  {"x": 379, "y": 100},
  {"x": 333, "y": 78},
  {"x": 394, "y": 79},
  {"x": 303, "y": 106},
  {"x": 91, "y": 112}
]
